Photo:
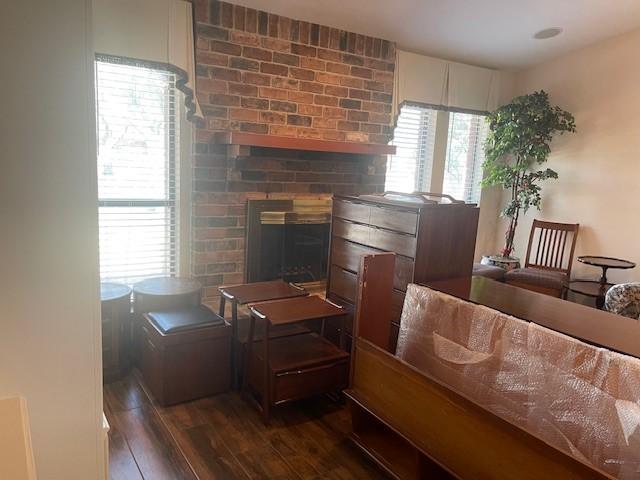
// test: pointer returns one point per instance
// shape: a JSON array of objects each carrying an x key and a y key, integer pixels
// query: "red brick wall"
[{"x": 263, "y": 73}]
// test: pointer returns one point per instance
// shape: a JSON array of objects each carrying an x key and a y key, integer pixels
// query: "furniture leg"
[
  {"x": 266, "y": 384},
  {"x": 603, "y": 278},
  {"x": 342, "y": 337},
  {"x": 223, "y": 301},
  {"x": 234, "y": 344},
  {"x": 247, "y": 356},
  {"x": 603, "y": 289}
]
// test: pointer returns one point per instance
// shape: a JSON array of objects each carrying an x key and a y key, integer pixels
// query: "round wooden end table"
[
  {"x": 598, "y": 288},
  {"x": 165, "y": 293},
  {"x": 115, "y": 300}
]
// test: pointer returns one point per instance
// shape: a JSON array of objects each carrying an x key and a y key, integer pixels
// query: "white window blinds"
[
  {"x": 415, "y": 136},
  {"x": 137, "y": 171},
  {"x": 465, "y": 156},
  {"x": 410, "y": 168}
]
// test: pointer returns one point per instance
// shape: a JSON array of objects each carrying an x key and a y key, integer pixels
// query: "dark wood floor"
[{"x": 222, "y": 437}]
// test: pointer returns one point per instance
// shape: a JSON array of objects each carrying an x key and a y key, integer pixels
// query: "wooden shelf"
[
  {"x": 386, "y": 447},
  {"x": 291, "y": 143}
]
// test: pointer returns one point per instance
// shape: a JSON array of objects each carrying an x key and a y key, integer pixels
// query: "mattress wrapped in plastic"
[{"x": 578, "y": 398}]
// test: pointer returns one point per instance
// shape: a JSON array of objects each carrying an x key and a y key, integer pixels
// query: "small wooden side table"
[
  {"x": 165, "y": 293},
  {"x": 115, "y": 300},
  {"x": 585, "y": 287},
  {"x": 590, "y": 288},
  {"x": 294, "y": 367},
  {"x": 252, "y": 293}
]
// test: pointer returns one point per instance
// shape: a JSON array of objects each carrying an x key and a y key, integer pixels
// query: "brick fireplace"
[{"x": 269, "y": 77}]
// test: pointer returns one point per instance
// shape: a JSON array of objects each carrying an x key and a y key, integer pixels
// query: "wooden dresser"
[{"x": 433, "y": 236}]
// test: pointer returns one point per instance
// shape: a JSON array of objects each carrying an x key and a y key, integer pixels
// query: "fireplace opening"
[
  {"x": 288, "y": 240},
  {"x": 294, "y": 252}
]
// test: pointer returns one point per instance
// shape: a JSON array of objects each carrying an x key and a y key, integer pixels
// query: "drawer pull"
[
  {"x": 334, "y": 304},
  {"x": 257, "y": 313},
  {"x": 309, "y": 370}
]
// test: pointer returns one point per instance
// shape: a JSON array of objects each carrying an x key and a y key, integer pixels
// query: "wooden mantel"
[{"x": 241, "y": 139}]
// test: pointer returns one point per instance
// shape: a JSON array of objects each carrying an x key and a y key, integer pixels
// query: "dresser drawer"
[
  {"x": 397, "y": 302},
  {"x": 310, "y": 381},
  {"x": 343, "y": 283},
  {"x": 347, "y": 255},
  {"x": 399, "y": 220},
  {"x": 403, "y": 273},
  {"x": 375, "y": 237},
  {"x": 393, "y": 338},
  {"x": 383, "y": 217},
  {"x": 356, "y": 212}
]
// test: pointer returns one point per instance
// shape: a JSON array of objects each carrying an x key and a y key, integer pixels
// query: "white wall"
[
  {"x": 49, "y": 302},
  {"x": 599, "y": 166},
  {"x": 491, "y": 198}
]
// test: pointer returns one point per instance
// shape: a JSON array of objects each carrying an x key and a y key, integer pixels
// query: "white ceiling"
[{"x": 491, "y": 33}]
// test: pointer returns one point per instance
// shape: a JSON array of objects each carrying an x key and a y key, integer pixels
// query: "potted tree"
[{"x": 518, "y": 143}]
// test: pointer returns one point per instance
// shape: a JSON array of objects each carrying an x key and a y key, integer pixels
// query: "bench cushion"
[
  {"x": 173, "y": 321},
  {"x": 535, "y": 276}
]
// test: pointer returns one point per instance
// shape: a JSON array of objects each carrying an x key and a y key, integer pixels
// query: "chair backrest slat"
[
  {"x": 539, "y": 246},
  {"x": 561, "y": 248},
  {"x": 555, "y": 243},
  {"x": 551, "y": 260}
]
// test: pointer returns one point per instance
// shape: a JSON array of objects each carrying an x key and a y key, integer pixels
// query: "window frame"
[
  {"x": 179, "y": 165},
  {"x": 440, "y": 142}
]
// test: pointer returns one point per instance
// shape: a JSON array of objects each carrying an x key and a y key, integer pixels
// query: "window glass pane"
[
  {"x": 134, "y": 243},
  {"x": 137, "y": 184},
  {"x": 465, "y": 155},
  {"x": 410, "y": 168}
]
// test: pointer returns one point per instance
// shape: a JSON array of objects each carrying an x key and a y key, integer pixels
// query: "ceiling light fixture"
[{"x": 547, "y": 33}]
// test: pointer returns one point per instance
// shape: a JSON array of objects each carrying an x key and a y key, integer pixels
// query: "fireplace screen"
[{"x": 288, "y": 240}]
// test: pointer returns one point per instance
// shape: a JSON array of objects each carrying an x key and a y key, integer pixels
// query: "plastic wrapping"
[{"x": 578, "y": 398}]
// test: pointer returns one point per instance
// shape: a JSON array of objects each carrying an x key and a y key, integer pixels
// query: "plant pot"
[{"x": 506, "y": 263}]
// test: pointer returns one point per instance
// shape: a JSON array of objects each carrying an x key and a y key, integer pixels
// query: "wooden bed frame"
[{"x": 416, "y": 427}]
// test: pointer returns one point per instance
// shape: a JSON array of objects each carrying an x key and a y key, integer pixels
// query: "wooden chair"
[{"x": 549, "y": 258}]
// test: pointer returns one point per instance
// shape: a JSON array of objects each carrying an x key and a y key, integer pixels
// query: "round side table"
[
  {"x": 590, "y": 288},
  {"x": 598, "y": 288},
  {"x": 115, "y": 301},
  {"x": 165, "y": 293}
]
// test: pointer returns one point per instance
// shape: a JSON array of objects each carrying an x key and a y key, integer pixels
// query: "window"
[
  {"x": 465, "y": 156},
  {"x": 409, "y": 170},
  {"x": 137, "y": 171},
  {"x": 438, "y": 151}
]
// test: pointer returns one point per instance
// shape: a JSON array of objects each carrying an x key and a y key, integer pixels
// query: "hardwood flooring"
[{"x": 223, "y": 437}]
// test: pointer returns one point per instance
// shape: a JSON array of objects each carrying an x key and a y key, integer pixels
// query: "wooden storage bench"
[{"x": 185, "y": 354}]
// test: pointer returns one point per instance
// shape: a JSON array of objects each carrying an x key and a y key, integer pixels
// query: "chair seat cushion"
[
  {"x": 173, "y": 321},
  {"x": 536, "y": 276},
  {"x": 488, "y": 271}
]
